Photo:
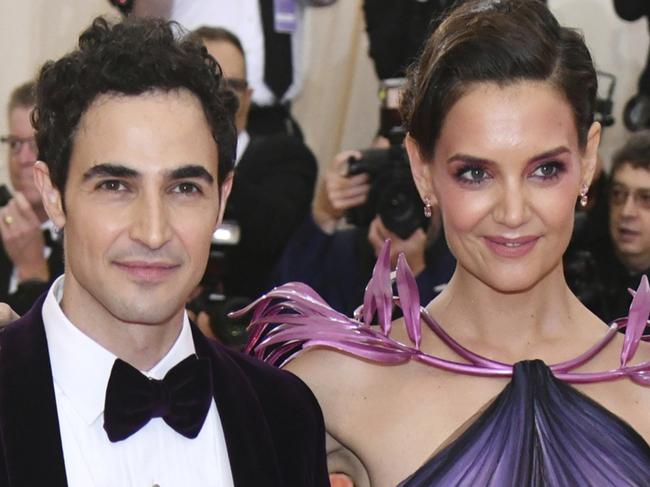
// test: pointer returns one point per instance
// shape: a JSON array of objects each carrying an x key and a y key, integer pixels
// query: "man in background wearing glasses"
[
  {"x": 30, "y": 258},
  {"x": 601, "y": 270}
]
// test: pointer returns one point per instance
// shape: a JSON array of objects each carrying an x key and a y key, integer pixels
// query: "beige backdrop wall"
[{"x": 338, "y": 107}]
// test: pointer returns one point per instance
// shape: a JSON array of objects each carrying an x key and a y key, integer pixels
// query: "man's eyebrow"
[
  {"x": 110, "y": 170},
  {"x": 191, "y": 171}
]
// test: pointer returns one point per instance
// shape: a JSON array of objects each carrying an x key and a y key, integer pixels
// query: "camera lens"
[{"x": 399, "y": 207}]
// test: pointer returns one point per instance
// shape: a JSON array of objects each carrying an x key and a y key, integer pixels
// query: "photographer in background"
[
  {"x": 337, "y": 263},
  {"x": 636, "y": 113},
  {"x": 30, "y": 256}
]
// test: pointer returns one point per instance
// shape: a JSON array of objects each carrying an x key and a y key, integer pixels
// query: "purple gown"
[{"x": 539, "y": 431}]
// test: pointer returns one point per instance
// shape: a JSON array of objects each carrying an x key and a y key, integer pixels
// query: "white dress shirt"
[
  {"x": 243, "y": 139},
  {"x": 154, "y": 455},
  {"x": 242, "y": 17}
]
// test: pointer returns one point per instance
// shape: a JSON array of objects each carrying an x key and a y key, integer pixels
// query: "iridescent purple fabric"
[{"x": 538, "y": 431}]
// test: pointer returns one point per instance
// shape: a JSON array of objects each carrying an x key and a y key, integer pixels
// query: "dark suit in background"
[
  {"x": 271, "y": 196},
  {"x": 28, "y": 292},
  {"x": 272, "y": 424}
]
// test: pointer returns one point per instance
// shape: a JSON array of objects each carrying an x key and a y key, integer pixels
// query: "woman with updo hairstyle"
[{"x": 505, "y": 378}]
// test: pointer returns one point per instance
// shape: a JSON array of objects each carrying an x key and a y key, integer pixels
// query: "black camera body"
[
  {"x": 393, "y": 195},
  {"x": 214, "y": 299}
]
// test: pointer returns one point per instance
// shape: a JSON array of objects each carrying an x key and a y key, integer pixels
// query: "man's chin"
[{"x": 149, "y": 314}]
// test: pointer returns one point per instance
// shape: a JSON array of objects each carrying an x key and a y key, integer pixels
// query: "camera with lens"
[
  {"x": 393, "y": 195},
  {"x": 213, "y": 300}
]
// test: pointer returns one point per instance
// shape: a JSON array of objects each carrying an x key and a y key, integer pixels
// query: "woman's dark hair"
[
  {"x": 129, "y": 58},
  {"x": 498, "y": 41}
]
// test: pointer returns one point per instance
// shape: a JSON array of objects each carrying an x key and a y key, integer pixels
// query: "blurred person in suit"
[
  {"x": 273, "y": 181},
  {"x": 30, "y": 255}
]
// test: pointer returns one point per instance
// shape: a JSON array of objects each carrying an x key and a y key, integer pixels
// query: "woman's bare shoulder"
[{"x": 330, "y": 373}]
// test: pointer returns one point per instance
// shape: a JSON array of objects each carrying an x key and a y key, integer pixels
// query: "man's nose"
[
  {"x": 629, "y": 208},
  {"x": 150, "y": 225}
]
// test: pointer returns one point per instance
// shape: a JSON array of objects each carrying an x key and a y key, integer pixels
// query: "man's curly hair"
[{"x": 128, "y": 58}]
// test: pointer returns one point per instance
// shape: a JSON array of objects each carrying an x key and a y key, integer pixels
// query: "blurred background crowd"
[{"x": 321, "y": 178}]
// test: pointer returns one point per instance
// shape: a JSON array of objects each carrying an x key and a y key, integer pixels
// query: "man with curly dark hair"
[{"x": 105, "y": 381}]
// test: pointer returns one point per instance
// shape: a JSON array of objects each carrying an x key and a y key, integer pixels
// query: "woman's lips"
[{"x": 511, "y": 247}]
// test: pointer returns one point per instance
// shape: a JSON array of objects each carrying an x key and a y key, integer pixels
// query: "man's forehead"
[
  {"x": 632, "y": 177},
  {"x": 20, "y": 115},
  {"x": 151, "y": 134}
]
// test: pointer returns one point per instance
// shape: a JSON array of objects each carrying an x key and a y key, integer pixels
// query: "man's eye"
[
  {"x": 186, "y": 188},
  {"x": 618, "y": 195},
  {"x": 644, "y": 198},
  {"x": 112, "y": 185}
]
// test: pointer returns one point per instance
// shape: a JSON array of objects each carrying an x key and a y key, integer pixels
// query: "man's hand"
[
  {"x": 7, "y": 315},
  {"x": 22, "y": 239},
  {"x": 412, "y": 248},
  {"x": 335, "y": 192}
]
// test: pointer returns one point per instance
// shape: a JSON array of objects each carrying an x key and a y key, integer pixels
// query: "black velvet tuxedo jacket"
[{"x": 272, "y": 424}]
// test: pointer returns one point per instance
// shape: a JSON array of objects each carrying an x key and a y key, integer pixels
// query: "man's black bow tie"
[{"x": 182, "y": 399}]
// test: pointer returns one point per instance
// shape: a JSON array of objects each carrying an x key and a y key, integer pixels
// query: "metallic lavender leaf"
[
  {"x": 409, "y": 300},
  {"x": 379, "y": 293},
  {"x": 636, "y": 320}
]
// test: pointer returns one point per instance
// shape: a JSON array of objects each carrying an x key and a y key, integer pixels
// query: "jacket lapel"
[
  {"x": 29, "y": 426},
  {"x": 250, "y": 448}
]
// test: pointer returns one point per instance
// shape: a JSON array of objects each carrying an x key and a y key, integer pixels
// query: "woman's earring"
[
  {"x": 427, "y": 207},
  {"x": 584, "y": 199}
]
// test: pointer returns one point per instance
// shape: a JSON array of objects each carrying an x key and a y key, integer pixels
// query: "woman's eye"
[
  {"x": 472, "y": 175},
  {"x": 548, "y": 170}
]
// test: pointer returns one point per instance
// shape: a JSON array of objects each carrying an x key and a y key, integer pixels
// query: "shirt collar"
[
  {"x": 242, "y": 143},
  {"x": 81, "y": 367}
]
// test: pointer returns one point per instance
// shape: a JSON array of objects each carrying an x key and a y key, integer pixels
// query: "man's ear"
[
  {"x": 51, "y": 196},
  {"x": 224, "y": 192},
  {"x": 590, "y": 156},
  {"x": 420, "y": 169}
]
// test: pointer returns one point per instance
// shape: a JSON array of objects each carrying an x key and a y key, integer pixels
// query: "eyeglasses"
[
  {"x": 619, "y": 193},
  {"x": 16, "y": 143},
  {"x": 236, "y": 84}
]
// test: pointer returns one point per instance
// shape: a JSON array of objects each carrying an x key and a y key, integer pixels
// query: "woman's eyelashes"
[
  {"x": 471, "y": 174},
  {"x": 476, "y": 174},
  {"x": 549, "y": 170}
]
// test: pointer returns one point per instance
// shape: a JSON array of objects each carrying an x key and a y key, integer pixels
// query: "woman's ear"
[
  {"x": 420, "y": 169},
  {"x": 51, "y": 196},
  {"x": 590, "y": 156}
]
